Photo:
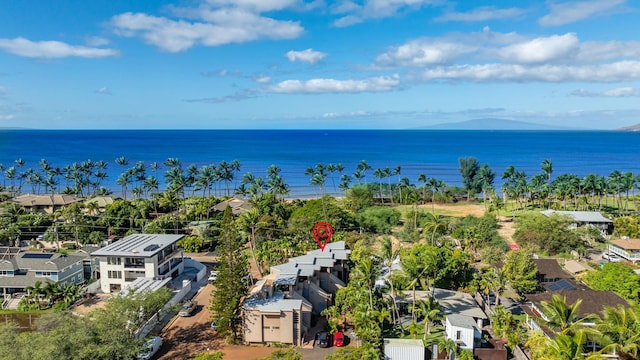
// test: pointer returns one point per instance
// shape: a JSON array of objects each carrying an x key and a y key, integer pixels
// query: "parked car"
[
  {"x": 187, "y": 308},
  {"x": 611, "y": 257},
  {"x": 213, "y": 276},
  {"x": 151, "y": 347},
  {"x": 323, "y": 340},
  {"x": 338, "y": 339}
]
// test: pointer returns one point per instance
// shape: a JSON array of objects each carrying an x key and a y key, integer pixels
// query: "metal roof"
[
  {"x": 581, "y": 216},
  {"x": 274, "y": 304},
  {"x": 138, "y": 245}
]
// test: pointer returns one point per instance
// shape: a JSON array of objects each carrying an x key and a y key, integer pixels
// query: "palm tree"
[
  {"x": 367, "y": 272},
  {"x": 562, "y": 317},
  {"x": 381, "y": 316},
  {"x": 449, "y": 346},
  {"x": 396, "y": 171},
  {"x": 344, "y": 183},
  {"x": 434, "y": 223},
  {"x": 621, "y": 329},
  {"x": 430, "y": 311},
  {"x": 122, "y": 161},
  {"x": 251, "y": 220},
  {"x": 388, "y": 255},
  {"x": 35, "y": 291},
  {"x": 547, "y": 170},
  {"x": 379, "y": 174},
  {"x": 362, "y": 168},
  {"x": 434, "y": 186},
  {"x": 485, "y": 177}
]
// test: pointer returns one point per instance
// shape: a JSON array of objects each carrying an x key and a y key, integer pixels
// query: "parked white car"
[
  {"x": 611, "y": 257},
  {"x": 151, "y": 347},
  {"x": 213, "y": 276}
]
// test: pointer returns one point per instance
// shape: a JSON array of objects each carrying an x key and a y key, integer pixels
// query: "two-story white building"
[
  {"x": 140, "y": 255},
  {"x": 628, "y": 249}
]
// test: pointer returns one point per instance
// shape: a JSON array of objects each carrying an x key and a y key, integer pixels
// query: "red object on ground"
[{"x": 514, "y": 247}]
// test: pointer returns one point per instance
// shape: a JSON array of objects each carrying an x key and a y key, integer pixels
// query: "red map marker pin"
[{"x": 322, "y": 232}]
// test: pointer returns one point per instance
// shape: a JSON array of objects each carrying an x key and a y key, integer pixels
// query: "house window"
[
  {"x": 43, "y": 273},
  {"x": 6, "y": 273},
  {"x": 114, "y": 274},
  {"x": 458, "y": 334},
  {"x": 114, "y": 260}
]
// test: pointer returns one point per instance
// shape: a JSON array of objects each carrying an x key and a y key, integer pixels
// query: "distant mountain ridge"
[
  {"x": 494, "y": 124},
  {"x": 635, "y": 127}
]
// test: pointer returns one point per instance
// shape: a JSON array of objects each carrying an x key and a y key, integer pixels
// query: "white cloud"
[
  {"x": 626, "y": 91},
  {"x": 51, "y": 49},
  {"x": 348, "y": 21},
  {"x": 617, "y": 71},
  {"x": 323, "y": 86},
  {"x": 309, "y": 56},
  {"x": 223, "y": 26},
  {"x": 104, "y": 91},
  {"x": 375, "y": 9},
  {"x": 255, "y": 5},
  {"x": 262, "y": 79},
  {"x": 483, "y": 13},
  {"x": 556, "y": 48},
  {"x": 422, "y": 52},
  {"x": 597, "y": 51},
  {"x": 572, "y": 11},
  {"x": 96, "y": 41}
]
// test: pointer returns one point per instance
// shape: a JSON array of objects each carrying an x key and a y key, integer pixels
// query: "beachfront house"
[
  {"x": 24, "y": 269},
  {"x": 585, "y": 218},
  {"x": 139, "y": 255},
  {"x": 628, "y": 249},
  {"x": 279, "y": 307}
]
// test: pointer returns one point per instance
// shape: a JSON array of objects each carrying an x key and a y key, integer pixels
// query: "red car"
[{"x": 338, "y": 339}]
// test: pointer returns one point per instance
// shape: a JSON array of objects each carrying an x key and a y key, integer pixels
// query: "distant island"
[
  {"x": 635, "y": 127},
  {"x": 495, "y": 124}
]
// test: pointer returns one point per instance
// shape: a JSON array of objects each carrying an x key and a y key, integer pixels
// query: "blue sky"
[{"x": 388, "y": 64}]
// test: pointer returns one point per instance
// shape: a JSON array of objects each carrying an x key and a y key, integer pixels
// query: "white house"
[
  {"x": 140, "y": 255},
  {"x": 628, "y": 249},
  {"x": 463, "y": 330}
]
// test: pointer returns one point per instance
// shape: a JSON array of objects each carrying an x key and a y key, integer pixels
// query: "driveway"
[{"x": 185, "y": 337}]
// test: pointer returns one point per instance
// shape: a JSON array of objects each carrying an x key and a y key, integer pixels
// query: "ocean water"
[{"x": 434, "y": 153}]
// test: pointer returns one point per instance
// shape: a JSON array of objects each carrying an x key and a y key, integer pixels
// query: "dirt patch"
[
  {"x": 457, "y": 209},
  {"x": 506, "y": 229}
]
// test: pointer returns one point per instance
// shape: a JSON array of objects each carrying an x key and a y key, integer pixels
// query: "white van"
[{"x": 151, "y": 347}]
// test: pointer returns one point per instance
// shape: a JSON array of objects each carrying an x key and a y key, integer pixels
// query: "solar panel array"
[
  {"x": 37, "y": 256},
  {"x": 561, "y": 285}
]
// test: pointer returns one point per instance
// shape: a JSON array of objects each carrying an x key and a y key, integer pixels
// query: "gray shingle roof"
[{"x": 462, "y": 321}]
